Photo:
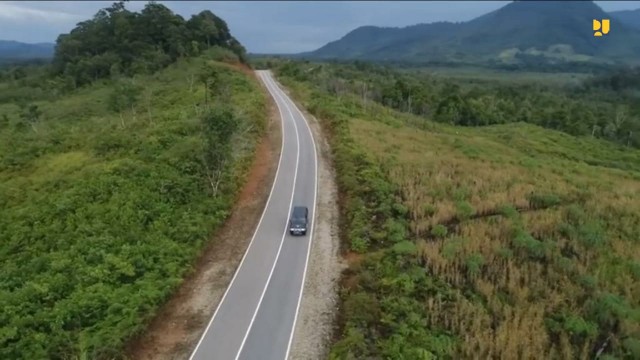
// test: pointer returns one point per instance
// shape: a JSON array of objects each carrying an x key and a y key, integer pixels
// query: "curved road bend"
[{"x": 257, "y": 314}]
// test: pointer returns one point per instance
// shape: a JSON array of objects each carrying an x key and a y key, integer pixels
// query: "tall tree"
[
  {"x": 219, "y": 125},
  {"x": 119, "y": 42}
]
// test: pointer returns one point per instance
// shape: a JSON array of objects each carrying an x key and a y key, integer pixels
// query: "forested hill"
[
  {"x": 13, "y": 51},
  {"x": 630, "y": 18},
  {"x": 528, "y": 32},
  {"x": 118, "y": 41}
]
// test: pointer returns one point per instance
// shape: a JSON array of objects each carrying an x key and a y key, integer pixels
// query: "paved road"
[{"x": 257, "y": 314}]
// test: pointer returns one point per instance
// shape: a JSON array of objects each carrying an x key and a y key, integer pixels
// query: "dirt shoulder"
[
  {"x": 179, "y": 324},
  {"x": 314, "y": 327}
]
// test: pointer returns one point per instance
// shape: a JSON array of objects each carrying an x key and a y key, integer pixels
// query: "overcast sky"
[{"x": 262, "y": 26}]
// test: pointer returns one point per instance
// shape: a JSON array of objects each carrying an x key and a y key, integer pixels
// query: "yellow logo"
[{"x": 601, "y": 27}]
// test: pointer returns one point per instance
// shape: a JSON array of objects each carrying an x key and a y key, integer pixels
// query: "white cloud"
[{"x": 19, "y": 13}]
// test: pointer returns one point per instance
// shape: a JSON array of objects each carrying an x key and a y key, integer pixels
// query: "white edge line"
[
  {"x": 284, "y": 234},
  {"x": 313, "y": 223},
  {"x": 204, "y": 334}
]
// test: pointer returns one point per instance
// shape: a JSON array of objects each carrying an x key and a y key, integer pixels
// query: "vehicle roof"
[{"x": 299, "y": 209}]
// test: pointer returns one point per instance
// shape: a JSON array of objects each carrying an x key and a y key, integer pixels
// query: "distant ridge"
[
  {"x": 15, "y": 50},
  {"x": 553, "y": 31},
  {"x": 630, "y": 18}
]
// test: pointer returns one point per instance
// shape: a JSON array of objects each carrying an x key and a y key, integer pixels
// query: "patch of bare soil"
[
  {"x": 178, "y": 325},
  {"x": 314, "y": 327}
]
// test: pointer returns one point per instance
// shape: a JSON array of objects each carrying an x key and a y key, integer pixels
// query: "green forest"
[
  {"x": 117, "y": 163},
  {"x": 472, "y": 234},
  {"x": 604, "y": 106}
]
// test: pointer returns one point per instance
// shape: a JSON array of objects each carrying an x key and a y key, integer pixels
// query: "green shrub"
[
  {"x": 508, "y": 211},
  {"x": 542, "y": 201},
  {"x": 452, "y": 247},
  {"x": 430, "y": 209},
  {"x": 464, "y": 210},
  {"x": 634, "y": 269},
  {"x": 592, "y": 235},
  {"x": 439, "y": 231},
  {"x": 607, "y": 309},
  {"x": 632, "y": 346},
  {"x": 461, "y": 193},
  {"x": 505, "y": 253},
  {"x": 527, "y": 245},
  {"x": 396, "y": 231},
  {"x": 404, "y": 248},
  {"x": 351, "y": 346},
  {"x": 576, "y": 325},
  {"x": 474, "y": 264},
  {"x": 4, "y": 121},
  {"x": 359, "y": 244},
  {"x": 363, "y": 309}
]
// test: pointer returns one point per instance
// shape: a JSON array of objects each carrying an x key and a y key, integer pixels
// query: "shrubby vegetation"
[
  {"x": 604, "y": 107},
  {"x": 505, "y": 240},
  {"x": 109, "y": 192}
]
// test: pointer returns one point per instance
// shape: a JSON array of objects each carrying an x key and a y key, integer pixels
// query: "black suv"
[{"x": 298, "y": 221}]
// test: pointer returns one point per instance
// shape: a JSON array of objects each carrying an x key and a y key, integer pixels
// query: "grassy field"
[
  {"x": 536, "y": 239},
  {"x": 102, "y": 212},
  {"x": 507, "y": 241}
]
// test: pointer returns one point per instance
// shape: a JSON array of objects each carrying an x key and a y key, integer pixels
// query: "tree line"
[{"x": 604, "y": 106}]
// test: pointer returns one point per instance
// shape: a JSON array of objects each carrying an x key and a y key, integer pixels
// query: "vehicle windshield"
[{"x": 297, "y": 221}]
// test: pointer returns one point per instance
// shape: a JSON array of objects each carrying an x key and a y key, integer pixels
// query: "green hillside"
[
  {"x": 507, "y": 240},
  {"x": 112, "y": 182},
  {"x": 520, "y": 32}
]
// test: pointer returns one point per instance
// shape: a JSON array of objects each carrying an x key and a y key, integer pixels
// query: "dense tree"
[
  {"x": 206, "y": 28},
  {"x": 117, "y": 42}
]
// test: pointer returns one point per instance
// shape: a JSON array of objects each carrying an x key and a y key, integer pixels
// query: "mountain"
[
  {"x": 557, "y": 31},
  {"x": 628, "y": 17},
  {"x": 14, "y": 50}
]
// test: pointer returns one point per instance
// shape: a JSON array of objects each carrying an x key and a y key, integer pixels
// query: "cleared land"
[{"x": 533, "y": 242}]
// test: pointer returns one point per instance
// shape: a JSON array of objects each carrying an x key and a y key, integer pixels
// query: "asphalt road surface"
[{"x": 257, "y": 314}]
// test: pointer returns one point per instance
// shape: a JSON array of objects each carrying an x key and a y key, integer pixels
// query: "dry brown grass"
[{"x": 505, "y": 319}]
